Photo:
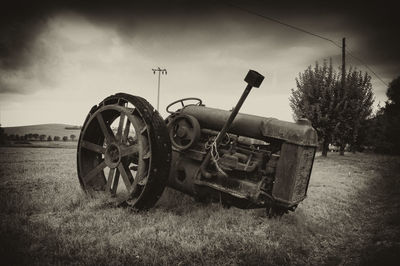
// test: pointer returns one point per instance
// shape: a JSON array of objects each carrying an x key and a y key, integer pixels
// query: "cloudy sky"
[{"x": 59, "y": 59}]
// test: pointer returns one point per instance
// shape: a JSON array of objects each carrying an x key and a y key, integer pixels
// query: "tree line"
[
  {"x": 340, "y": 108},
  {"x": 32, "y": 136}
]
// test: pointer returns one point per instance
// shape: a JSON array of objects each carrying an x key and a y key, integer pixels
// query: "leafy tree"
[
  {"x": 35, "y": 136},
  {"x": 42, "y": 137},
  {"x": 393, "y": 92},
  {"x": 72, "y": 137},
  {"x": 392, "y": 115},
  {"x": 56, "y": 138},
  {"x": 337, "y": 112},
  {"x": 384, "y": 131},
  {"x": 49, "y": 138},
  {"x": 65, "y": 138},
  {"x": 375, "y": 133},
  {"x": 316, "y": 99},
  {"x": 354, "y": 110}
]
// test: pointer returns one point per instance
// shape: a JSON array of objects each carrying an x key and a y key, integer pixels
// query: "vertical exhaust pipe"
[{"x": 253, "y": 79}]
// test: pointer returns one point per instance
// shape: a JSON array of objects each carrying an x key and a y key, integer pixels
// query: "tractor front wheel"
[{"x": 124, "y": 139}]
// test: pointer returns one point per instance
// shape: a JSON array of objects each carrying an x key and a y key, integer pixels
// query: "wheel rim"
[{"x": 115, "y": 146}]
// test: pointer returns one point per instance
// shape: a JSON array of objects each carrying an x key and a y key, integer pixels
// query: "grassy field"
[
  {"x": 42, "y": 144},
  {"x": 351, "y": 217}
]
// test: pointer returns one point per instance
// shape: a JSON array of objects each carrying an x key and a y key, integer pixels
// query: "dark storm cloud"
[
  {"x": 15, "y": 41},
  {"x": 372, "y": 25},
  {"x": 376, "y": 28},
  {"x": 22, "y": 21}
]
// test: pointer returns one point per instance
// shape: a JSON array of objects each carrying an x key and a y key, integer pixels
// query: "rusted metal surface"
[
  {"x": 292, "y": 173},
  {"x": 252, "y": 126}
]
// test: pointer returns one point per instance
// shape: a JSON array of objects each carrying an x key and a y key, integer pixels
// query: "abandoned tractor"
[{"x": 127, "y": 150}]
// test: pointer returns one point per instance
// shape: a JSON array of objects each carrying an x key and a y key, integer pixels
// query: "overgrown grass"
[{"x": 350, "y": 217}]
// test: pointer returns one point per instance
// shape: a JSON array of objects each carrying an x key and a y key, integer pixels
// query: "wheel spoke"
[
  {"x": 108, "y": 134},
  {"x": 142, "y": 180},
  {"x": 130, "y": 150},
  {"x": 143, "y": 130},
  {"x": 120, "y": 126},
  {"x": 115, "y": 184},
  {"x": 126, "y": 176},
  {"x": 146, "y": 154},
  {"x": 110, "y": 179},
  {"x": 94, "y": 172},
  {"x": 126, "y": 131},
  {"x": 93, "y": 147}
]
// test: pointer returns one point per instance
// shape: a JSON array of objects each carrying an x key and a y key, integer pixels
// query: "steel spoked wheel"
[{"x": 124, "y": 150}]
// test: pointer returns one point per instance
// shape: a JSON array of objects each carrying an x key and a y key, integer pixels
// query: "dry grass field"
[{"x": 351, "y": 217}]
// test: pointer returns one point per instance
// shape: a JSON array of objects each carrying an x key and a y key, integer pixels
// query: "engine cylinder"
[{"x": 256, "y": 127}]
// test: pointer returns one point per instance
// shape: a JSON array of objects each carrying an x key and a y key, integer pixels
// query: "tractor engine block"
[{"x": 260, "y": 162}]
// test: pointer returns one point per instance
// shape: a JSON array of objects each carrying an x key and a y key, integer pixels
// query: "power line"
[
  {"x": 309, "y": 33},
  {"x": 369, "y": 68},
  {"x": 285, "y": 24}
]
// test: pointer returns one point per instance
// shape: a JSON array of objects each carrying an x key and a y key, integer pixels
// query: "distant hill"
[{"x": 46, "y": 129}]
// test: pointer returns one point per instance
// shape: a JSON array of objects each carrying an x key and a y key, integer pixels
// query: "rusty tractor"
[{"x": 129, "y": 151}]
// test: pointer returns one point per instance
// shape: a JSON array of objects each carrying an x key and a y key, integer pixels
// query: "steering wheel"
[{"x": 199, "y": 102}]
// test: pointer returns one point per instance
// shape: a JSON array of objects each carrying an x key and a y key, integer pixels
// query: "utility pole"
[
  {"x": 160, "y": 71},
  {"x": 343, "y": 61}
]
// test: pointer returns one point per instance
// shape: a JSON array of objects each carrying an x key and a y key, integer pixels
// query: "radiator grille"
[
  {"x": 293, "y": 173},
  {"x": 303, "y": 173}
]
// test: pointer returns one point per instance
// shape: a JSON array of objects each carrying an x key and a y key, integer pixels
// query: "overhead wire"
[
  {"x": 368, "y": 67},
  {"x": 310, "y": 33}
]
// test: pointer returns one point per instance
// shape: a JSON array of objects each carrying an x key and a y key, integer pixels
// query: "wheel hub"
[{"x": 112, "y": 155}]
